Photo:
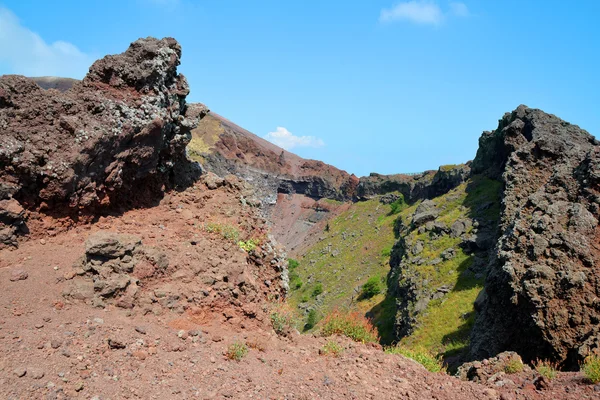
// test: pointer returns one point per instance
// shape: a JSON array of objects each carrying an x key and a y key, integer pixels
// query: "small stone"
[
  {"x": 195, "y": 332},
  {"x": 39, "y": 325},
  {"x": 182, "y": 334},
  {"x": 98, "y": 321},
  {"x": 55, "y": 344},
  {"x": 18, "y": 275},
  {"x": 20, "y": 371},
  {"x": 140, "y": 355},
  {"x": 79, "y": 386},
  {"x": 42, "y": 241},
  {"x": 114, "y": 343},
  {"x": 35, "y": 373},
  {"x": 140, "y": 329}
]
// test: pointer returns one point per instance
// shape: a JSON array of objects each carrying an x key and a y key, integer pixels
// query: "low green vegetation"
[
  {"x": 295, "y": 280},
  {"x": 351, "y": 257},
  {"x": 350, "y": 324},
  {"x": 311, "y": 320},
  {"x": 317, "y": 290},
  {"x": 444, "y": 327},
  {"x": 248, "y": 245},
  {"x": 236, "y": 351},
  {"x": 421, "y": 355},
  {"x": 397, "y": 206},
  {"x": 332, "y": 348},
  {"x": 356, "y": 247},
  {"x": 372, "y": 287},
  {"x": 546, "y": 369},
  {"x": 513, "y": 366},
  {"x": 591, "y": 368},
  {"x": 228, "y": 231}
]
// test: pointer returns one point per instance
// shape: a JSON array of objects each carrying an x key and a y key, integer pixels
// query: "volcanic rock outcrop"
[
  {"x": 114, "y": 139},
  {"x": 425, "y": 185},
  {"x": 542, "y": 293},
  {"x": 225, "y": 148}
]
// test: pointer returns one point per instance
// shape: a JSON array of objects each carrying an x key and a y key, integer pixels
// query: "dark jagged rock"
[
  {"x": 426, "y": 185},
  {"x": 114, "y": 139},
  {"x": 541, "y": 297}
]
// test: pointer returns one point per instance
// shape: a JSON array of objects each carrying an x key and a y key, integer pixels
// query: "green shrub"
[
  {"x": 292, "y": 264},
  {"x": 513, "y": 366},
  {"x": 386, "y": 252},
  {"x": 282, "y": 319},
  {"x": 317, "y": 290},
  {"x": 332, "y": 348},
  {"x": 371, "y": 288},
  {"x": 350, "y": 324},
  {"x": 236, "y": 351},
  {"x": 248, "y": 245},
  {"x": 295, "y": 281},
  {"x": 397, "y": 206},
  {"x": 422, "y": 356},
  {"x": 304, "y": 298},
  {"x": 546, "y": 369},
  {"x": 311, "y": 320},
  {"x": 591, "y": 368}
]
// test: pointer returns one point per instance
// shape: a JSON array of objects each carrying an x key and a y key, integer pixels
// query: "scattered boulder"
[
  {"x": 489, "y": 370},
  {"x": 18, "y": 275}
]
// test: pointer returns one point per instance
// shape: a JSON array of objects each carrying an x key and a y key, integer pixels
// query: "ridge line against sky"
[{"x": 366, "y": 86}]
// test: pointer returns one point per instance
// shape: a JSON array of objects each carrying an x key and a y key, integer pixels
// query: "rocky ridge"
[
  {"x": 124, "y": 127},
  {"x": 541, "y": 294}
]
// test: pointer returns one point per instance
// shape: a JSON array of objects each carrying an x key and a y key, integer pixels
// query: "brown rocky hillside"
[{"x": 129, "y": 270}]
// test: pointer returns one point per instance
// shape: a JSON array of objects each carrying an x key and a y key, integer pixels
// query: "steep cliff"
[{"x": 541, "y": 295}]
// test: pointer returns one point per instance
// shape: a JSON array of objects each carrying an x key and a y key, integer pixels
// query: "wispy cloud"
[
  {"x": 285, "y": 139},
  {"x": 425, "y": 12},
  {"x": 26, "y": 53},
  {"x": 459, "y": 9}
]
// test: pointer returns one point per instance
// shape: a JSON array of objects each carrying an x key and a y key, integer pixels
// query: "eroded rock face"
[
  {"x": 116, "y": 138},
  {"x": 426, "y": 185},
  {"x": 542, "y": 293}
]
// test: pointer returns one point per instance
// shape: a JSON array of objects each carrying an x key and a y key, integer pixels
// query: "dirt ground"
[{"x": 60, "y": 348}]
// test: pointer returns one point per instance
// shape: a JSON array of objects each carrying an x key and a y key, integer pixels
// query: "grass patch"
[
  {"x": 317, "y": 290},
  {"x": 236, "y": 351},
  {"x": 311, "y": 320},
  {"x": 332, "y": 348},
  {"x": 398, "y": 205},
  {"x": 362, "y": 238},
  {"x": 349, "y": 324},
  {"x": 228, "y": 231},
  {"x": 546, "y": 369},
  {"x": 591, "y": 368},
  {"x": 421, "y": 355},
  {"x": 283, "y": 319},
  {"x": 513, "y": 366},
  {"x": 371, "y": 288}
]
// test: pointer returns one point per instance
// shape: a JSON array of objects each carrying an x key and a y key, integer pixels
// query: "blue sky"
[{"x": 368, "y": 86}]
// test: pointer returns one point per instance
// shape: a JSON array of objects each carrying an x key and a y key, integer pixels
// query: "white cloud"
[
  {"x": 425, "y": 12},
  {"x": 26, "y": 53},
  {"x": 285, "y": 139},
  {"x": 459, "y": 9}
]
